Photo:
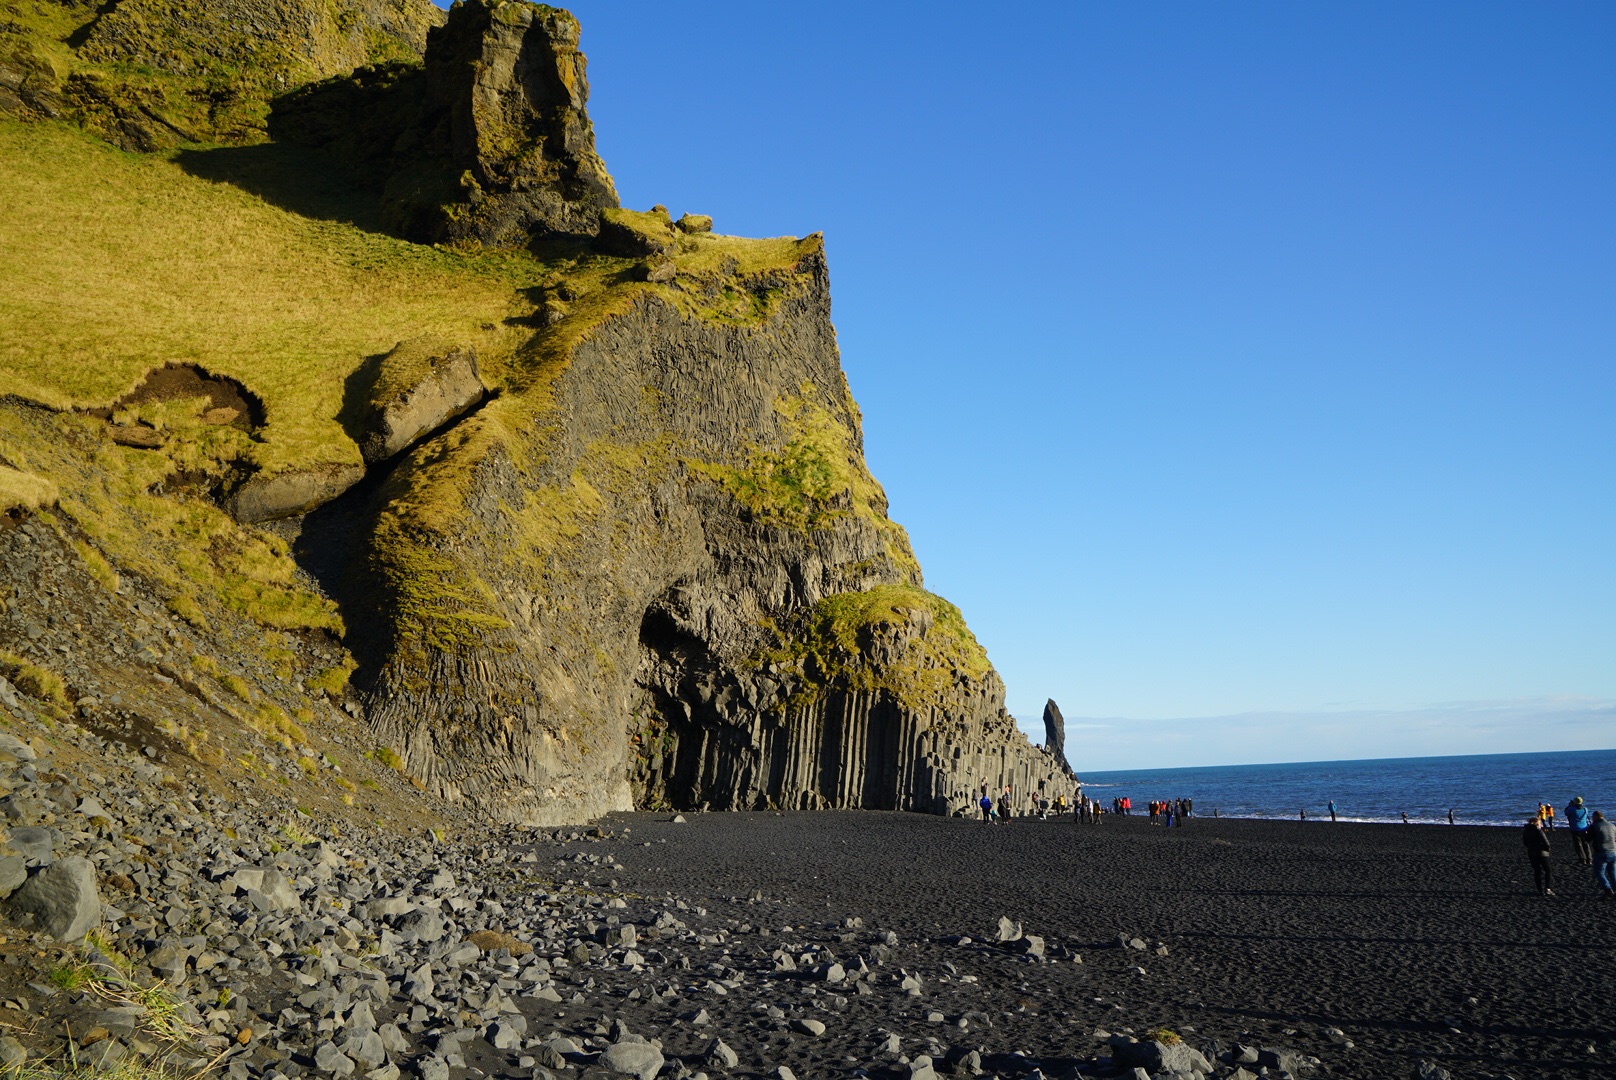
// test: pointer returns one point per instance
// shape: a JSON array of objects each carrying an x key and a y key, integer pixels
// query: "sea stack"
[{"x": 1055, "y": 734}]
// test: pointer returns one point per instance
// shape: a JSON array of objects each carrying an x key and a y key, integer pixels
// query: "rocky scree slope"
[
  {"x": 587, "y": 520},
  {"x": 160, "y": 925}
]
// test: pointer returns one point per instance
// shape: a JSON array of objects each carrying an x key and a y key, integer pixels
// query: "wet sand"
[{"x": 1416, "y": 942}]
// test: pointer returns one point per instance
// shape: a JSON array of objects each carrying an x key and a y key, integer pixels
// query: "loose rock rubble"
[{"x": 156, "y": 923}]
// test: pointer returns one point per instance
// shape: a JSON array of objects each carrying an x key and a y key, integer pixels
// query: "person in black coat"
[{"x": 1537, "y": 851}]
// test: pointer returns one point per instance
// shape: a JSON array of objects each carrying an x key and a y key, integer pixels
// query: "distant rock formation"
[{"x": 1055, "y": 734}]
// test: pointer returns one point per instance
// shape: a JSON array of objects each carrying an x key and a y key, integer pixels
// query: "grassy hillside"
[{"x": 113, "y": 263}]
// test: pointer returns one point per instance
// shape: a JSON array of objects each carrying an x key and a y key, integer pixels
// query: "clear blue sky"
[{"x": 1245, "y": 372}]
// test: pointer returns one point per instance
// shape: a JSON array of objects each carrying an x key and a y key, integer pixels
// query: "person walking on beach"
[
  {"x": 1450, "y": 816},
  {"x": 1602, "y": 838},
  {"x": 987, "y": 808},
  {"x": 1004, "y": 806},
  {"x": 1332, "y": 811},
  {"x": 1537, "y": 852},
  {"x": 1577, "y": 820}
]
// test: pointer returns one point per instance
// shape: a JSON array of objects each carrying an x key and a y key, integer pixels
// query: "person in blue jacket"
[{"x": 1577, "y": 817}]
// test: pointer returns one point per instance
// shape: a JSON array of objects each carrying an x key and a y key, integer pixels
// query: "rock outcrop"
[
  {"x": 1055, "y": 734},
  {"x": 420, "y": 386},
  {"x": 662, "y": 575},
  {"x": 505, "y": 107},
  {"x": 648, "y": 568},
  {"x": 491, "y": 143}
]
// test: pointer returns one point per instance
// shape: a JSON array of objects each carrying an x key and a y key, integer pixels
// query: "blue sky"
[{"x": 1223, "y": 361}]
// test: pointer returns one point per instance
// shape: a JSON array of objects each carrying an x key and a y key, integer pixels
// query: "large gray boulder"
[
  {"x": 420, "y": 386},
  {"x": 62, "y": 899},
  {"x": 638, "y": 1059},
  {"x": 266, "y": 497}
]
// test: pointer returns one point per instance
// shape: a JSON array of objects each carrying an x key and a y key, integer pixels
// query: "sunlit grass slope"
[{"x": 113, "y": 263}]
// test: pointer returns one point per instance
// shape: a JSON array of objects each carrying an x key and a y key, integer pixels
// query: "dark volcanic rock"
[
  {"x": 637, "y": 609},
  {"x": 1055, "y": 733},
  {"x": 504, "y": 147}
]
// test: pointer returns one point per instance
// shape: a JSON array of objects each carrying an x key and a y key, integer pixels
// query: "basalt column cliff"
[
  {"x": 582, "y": 503},
  {"x": 661, "y": 572}
]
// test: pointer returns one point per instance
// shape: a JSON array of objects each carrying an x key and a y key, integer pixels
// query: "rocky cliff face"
[
  {"x": 669, "y": 579},
  {"x": 152, "y": 74},
  {"x": 489, "y": 143},
  {"x": 610, "y": 543}
]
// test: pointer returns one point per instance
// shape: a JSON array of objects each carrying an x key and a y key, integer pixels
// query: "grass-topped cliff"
[{"x": 645, "y": 507}]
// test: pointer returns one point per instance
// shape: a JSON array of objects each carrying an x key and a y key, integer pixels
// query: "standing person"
[
  {"x": 986, "y": 804},
  {"x": 1602, "y": 838},
  {"x": 1332, "y": 810},
  {"x": 1004, "y": 805},
  {"x": 1450, "y": 816},
  {"x": 1304, "y": 813},
  {"x": 1537, "y": 853},
  {"x": 1577, "y": 821},
  {"x": 1548, "y": 808},
  {"x": 1405, "y": 817}
]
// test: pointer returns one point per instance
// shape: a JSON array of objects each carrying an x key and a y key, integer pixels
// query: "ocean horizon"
[{"x": 1480, "y": 789}]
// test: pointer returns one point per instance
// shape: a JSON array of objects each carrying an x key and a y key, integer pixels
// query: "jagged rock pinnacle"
[
  {"x": 506, "y": 96},
  {"x": 1055, "y": 733}
]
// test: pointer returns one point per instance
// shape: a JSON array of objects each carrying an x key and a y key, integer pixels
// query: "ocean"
[{"x": 1481, "y": 789}]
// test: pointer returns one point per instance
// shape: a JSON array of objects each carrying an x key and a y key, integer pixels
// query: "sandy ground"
[{"x": 1413, "y": 942}]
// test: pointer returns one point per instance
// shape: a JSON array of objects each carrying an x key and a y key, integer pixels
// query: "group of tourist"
[
  {"x": 1170, "y": 812},
  {"x": 1593, "y": 843}
]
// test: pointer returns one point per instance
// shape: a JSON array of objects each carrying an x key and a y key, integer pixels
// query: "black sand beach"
[{"x": 1370, "y": 947}]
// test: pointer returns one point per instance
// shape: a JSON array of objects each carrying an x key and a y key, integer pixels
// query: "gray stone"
[
  {"x": 9, "y": 743},
  {"x": 33, "y": 843},
  {"x": 425, "y": 924},
  {"x": 808, "y": 1027},
  {"x": 1055, "y": 734},
  {"x": 13, "y": 872},
  {"x": 287, "y": 494},
  {"x": 506, "y": 1034},
  {"x": 1008, "y": 931},
  {"x": 433, "y": 1068},
  {"x": 62, "y": 898},
  {"x": 637, "y": 1059},
  {"x": 421, "y": 385},
  {"x": 13, "y": 1054},
  {"x": 720, "y": 1056},
  {"x": 328, "y": 1059}
]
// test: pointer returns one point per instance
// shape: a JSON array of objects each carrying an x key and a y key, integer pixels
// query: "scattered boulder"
[
  {"x": 267, "y": 497},
  {"x": 638, "y": 1059},
  {"x": 421, "y": 385},
  {"x": 34, "y": 843},
  {"x": 62, "y": 899},
  {"x": 695, "y": 223}
]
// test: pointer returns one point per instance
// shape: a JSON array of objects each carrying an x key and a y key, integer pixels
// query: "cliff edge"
[{"x": 568, "y": 510}]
